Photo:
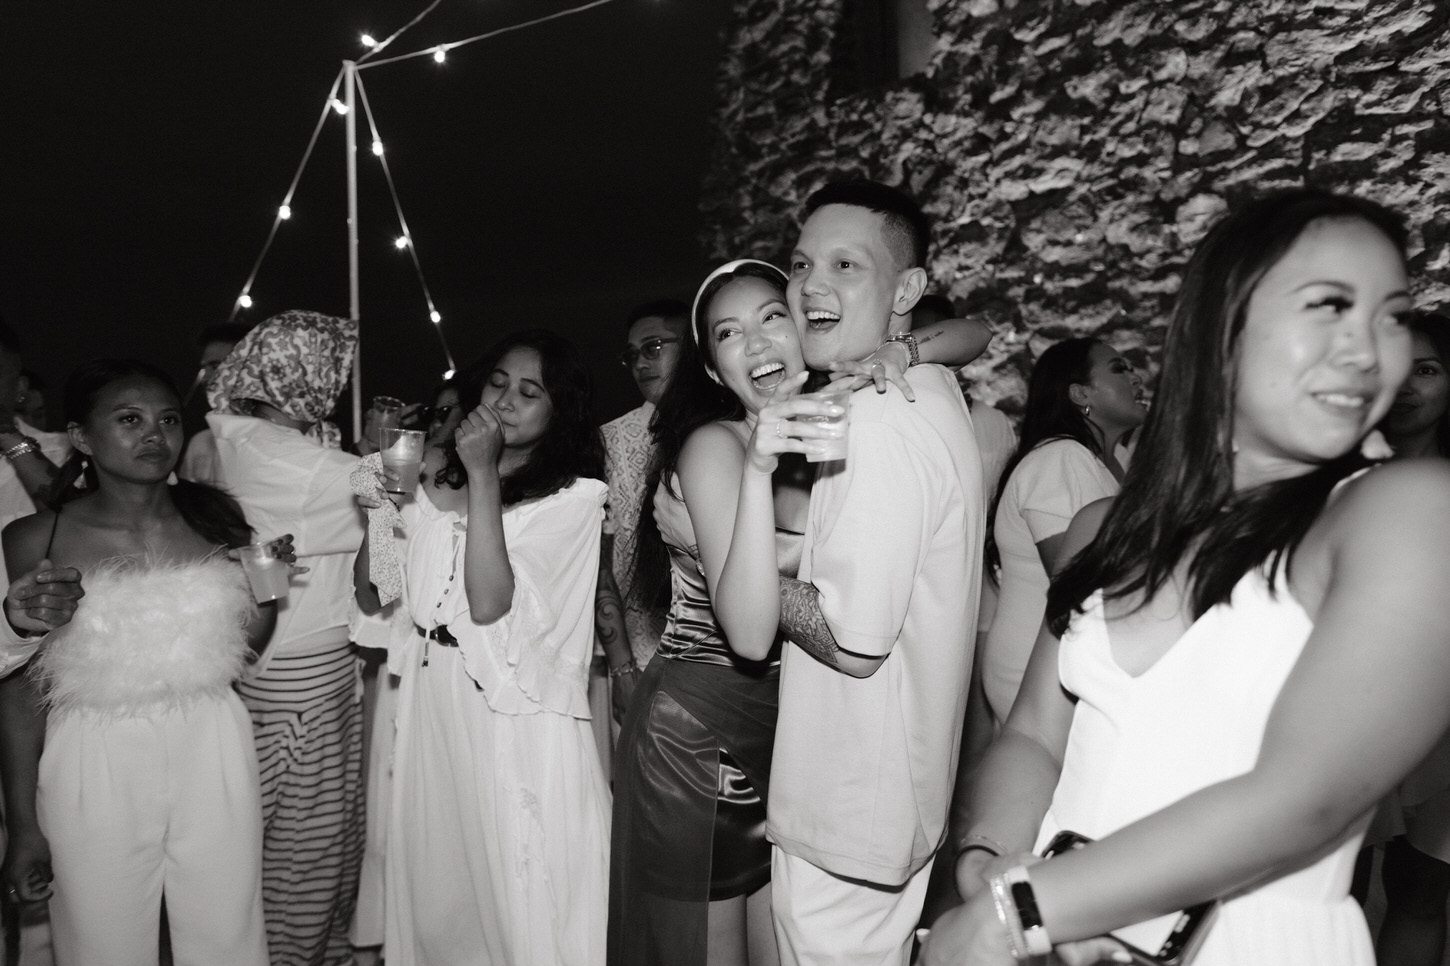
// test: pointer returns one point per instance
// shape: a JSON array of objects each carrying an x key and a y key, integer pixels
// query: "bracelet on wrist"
[
  {"x": 976, "y": 840},
  {"x": 620, "y": 670},
  {"x": 1018, "y": 911},
  {"x": 27, "y": 444}
]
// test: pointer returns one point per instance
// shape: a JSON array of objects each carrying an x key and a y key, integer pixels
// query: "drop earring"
[{"x": 1086, "y": 411}]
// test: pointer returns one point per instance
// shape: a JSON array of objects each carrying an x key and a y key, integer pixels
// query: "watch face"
[{"x": 1026, "y": 902}]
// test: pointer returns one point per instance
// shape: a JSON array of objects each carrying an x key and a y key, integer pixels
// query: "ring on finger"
[
  {"x": 778, "y": 424},
  {"x": 878, "y": 364}
]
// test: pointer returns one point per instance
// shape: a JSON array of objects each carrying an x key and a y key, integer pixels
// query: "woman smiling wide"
[
  {"x": 1250, "y": 652},
  {"x": 689, "y": 877}
]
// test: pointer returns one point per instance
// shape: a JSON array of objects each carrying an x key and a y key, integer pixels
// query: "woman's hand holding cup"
[{"x": 794, "y": 423}]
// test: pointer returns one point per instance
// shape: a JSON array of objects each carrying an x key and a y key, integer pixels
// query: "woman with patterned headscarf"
[{"x": 279, "y": 457}]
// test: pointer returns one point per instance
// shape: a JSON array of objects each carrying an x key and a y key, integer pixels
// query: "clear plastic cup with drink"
[
  {"x": 387, "y": 411},
  {"x": 823, "y": 450},
  {"x": 267, "y": 573},
  {"x": 402, "y": 452}
]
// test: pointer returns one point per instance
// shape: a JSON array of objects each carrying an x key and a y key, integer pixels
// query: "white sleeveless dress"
[{"x": 1195, "y": 718}]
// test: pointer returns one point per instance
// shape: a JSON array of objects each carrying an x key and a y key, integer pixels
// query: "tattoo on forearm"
[
  {"x": 926, "y": 337},
  {"x": 609, "y": 626},
  {"x": 801, "y": 620}
]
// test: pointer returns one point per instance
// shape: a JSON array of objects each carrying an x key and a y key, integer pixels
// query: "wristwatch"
[
  {"x": 27, "y": 444},
  {"x": 1033, "y": 931},
  {"x": 913, "y": 348}
]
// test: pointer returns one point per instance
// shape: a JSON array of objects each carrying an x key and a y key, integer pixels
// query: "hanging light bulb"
[
  {"x": 339, "y": 106},
  {"x": 448, "y": 374},
  {"x": 245, "y": 301},
  {"x": 435, "y": 316},
  {"x": 377, "y": 148},
  {"x": 439, "y": 55},
  {"x": 401, "y": 242},
  {"x": 368, "y": 41},
  {"x": 284, "y": 212}
]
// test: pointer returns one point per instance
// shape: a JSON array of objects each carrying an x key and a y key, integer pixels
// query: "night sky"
[{"x": 549, "y": 176}]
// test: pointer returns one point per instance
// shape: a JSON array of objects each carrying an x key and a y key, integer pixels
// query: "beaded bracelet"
[{"x": 628, "y": 667}]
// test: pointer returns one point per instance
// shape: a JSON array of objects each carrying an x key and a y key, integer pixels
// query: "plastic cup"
[
  {"x": 268, "y": 574},
  {"x": 831, "y": 449},
  {"x": 387, "y": 411},
  {"x": 402, "y": 451}
]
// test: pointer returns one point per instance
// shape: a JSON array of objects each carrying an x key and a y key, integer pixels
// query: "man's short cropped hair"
[
  {"x": 667, "y": 309},
  {"x": 908, "y": 233}
]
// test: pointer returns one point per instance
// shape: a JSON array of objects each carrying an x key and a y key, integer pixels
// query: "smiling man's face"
[{"x": 845, "y": 282}]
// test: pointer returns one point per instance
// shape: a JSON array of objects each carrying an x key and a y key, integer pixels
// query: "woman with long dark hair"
[
  {"x": 138, "y": 779},
  {"x": 498, "y": 837},
  {"x": 1250, "y": 652},
  {"x": 689, "y": 879},
  {"x": 1083, "y": 399}
]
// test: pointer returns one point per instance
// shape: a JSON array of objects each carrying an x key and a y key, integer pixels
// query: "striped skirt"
[{"x": 307, "y": 717}]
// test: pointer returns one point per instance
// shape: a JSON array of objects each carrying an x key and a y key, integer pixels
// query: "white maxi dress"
[{"x": 498, "y": 841}]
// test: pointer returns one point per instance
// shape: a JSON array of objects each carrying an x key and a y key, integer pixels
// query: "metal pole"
[{"x": 354, "y": 310}]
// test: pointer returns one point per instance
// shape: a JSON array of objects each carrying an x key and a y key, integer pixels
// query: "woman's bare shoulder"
[
  {"x": 712, "y": 447},
  {"x": 1390, "y": 524},
  {"x": 25, "y": 540}
]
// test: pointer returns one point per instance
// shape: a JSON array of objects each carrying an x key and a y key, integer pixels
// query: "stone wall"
[{"x": 1072, "y": 152}]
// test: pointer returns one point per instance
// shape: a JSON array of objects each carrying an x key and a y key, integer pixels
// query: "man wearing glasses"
[{"x": 620, "y": 618}]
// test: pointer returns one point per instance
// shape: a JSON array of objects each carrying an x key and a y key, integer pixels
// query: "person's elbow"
[
  {"x": 748, "y": 639},
  {"x": 751, "y": 647},
  {"x": 486, "y": 608},
  {"x": 858, "y": 665}
]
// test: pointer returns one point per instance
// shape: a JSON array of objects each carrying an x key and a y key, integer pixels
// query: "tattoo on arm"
[
  {"x": 926, "y": 337},
  {"x": 801, "y": 620},
  {"x": 609, "y": 624}
]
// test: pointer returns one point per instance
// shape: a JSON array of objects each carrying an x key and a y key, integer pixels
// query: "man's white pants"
[{"x": 824, "y": 920}]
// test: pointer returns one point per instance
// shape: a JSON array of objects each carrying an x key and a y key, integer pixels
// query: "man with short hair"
[
  {"x": 628, "y": 628},
  {"x": 882, "y": 616}
]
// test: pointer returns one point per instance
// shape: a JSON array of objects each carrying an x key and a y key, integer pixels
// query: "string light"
[
  {"x": 377, "y": 148},
  {"x": 339, "y": 106},
  {"x": 284, "y": 212},
  {"x": 368, "y": 41},
  {"x": 245, "y": 301},
  {"x": 439, "y": 55},
  {"x": 401, "y": 242},
  {"x": 435, "y": 317}
]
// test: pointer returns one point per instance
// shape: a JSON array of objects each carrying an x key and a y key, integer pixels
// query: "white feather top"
[{"x": 149, "y": 635}]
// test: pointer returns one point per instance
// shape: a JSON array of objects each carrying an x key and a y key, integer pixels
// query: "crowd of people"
[{"x": 693, "y": 687}]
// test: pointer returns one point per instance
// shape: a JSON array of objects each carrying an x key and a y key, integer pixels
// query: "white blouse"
[{"x": 535, "y": 658}]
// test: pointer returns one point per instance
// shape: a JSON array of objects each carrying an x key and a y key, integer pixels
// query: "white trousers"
[
  {"x": 138, "y": 806},
  {"x": 824, "y": 920}
]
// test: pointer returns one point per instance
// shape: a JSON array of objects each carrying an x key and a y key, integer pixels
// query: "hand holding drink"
[
  {"x": 832, "y": 446},
  {"x": 402, "y": 452},
  {"x": 813, "y": 424},
  {"x": 267, "y": 570}
]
